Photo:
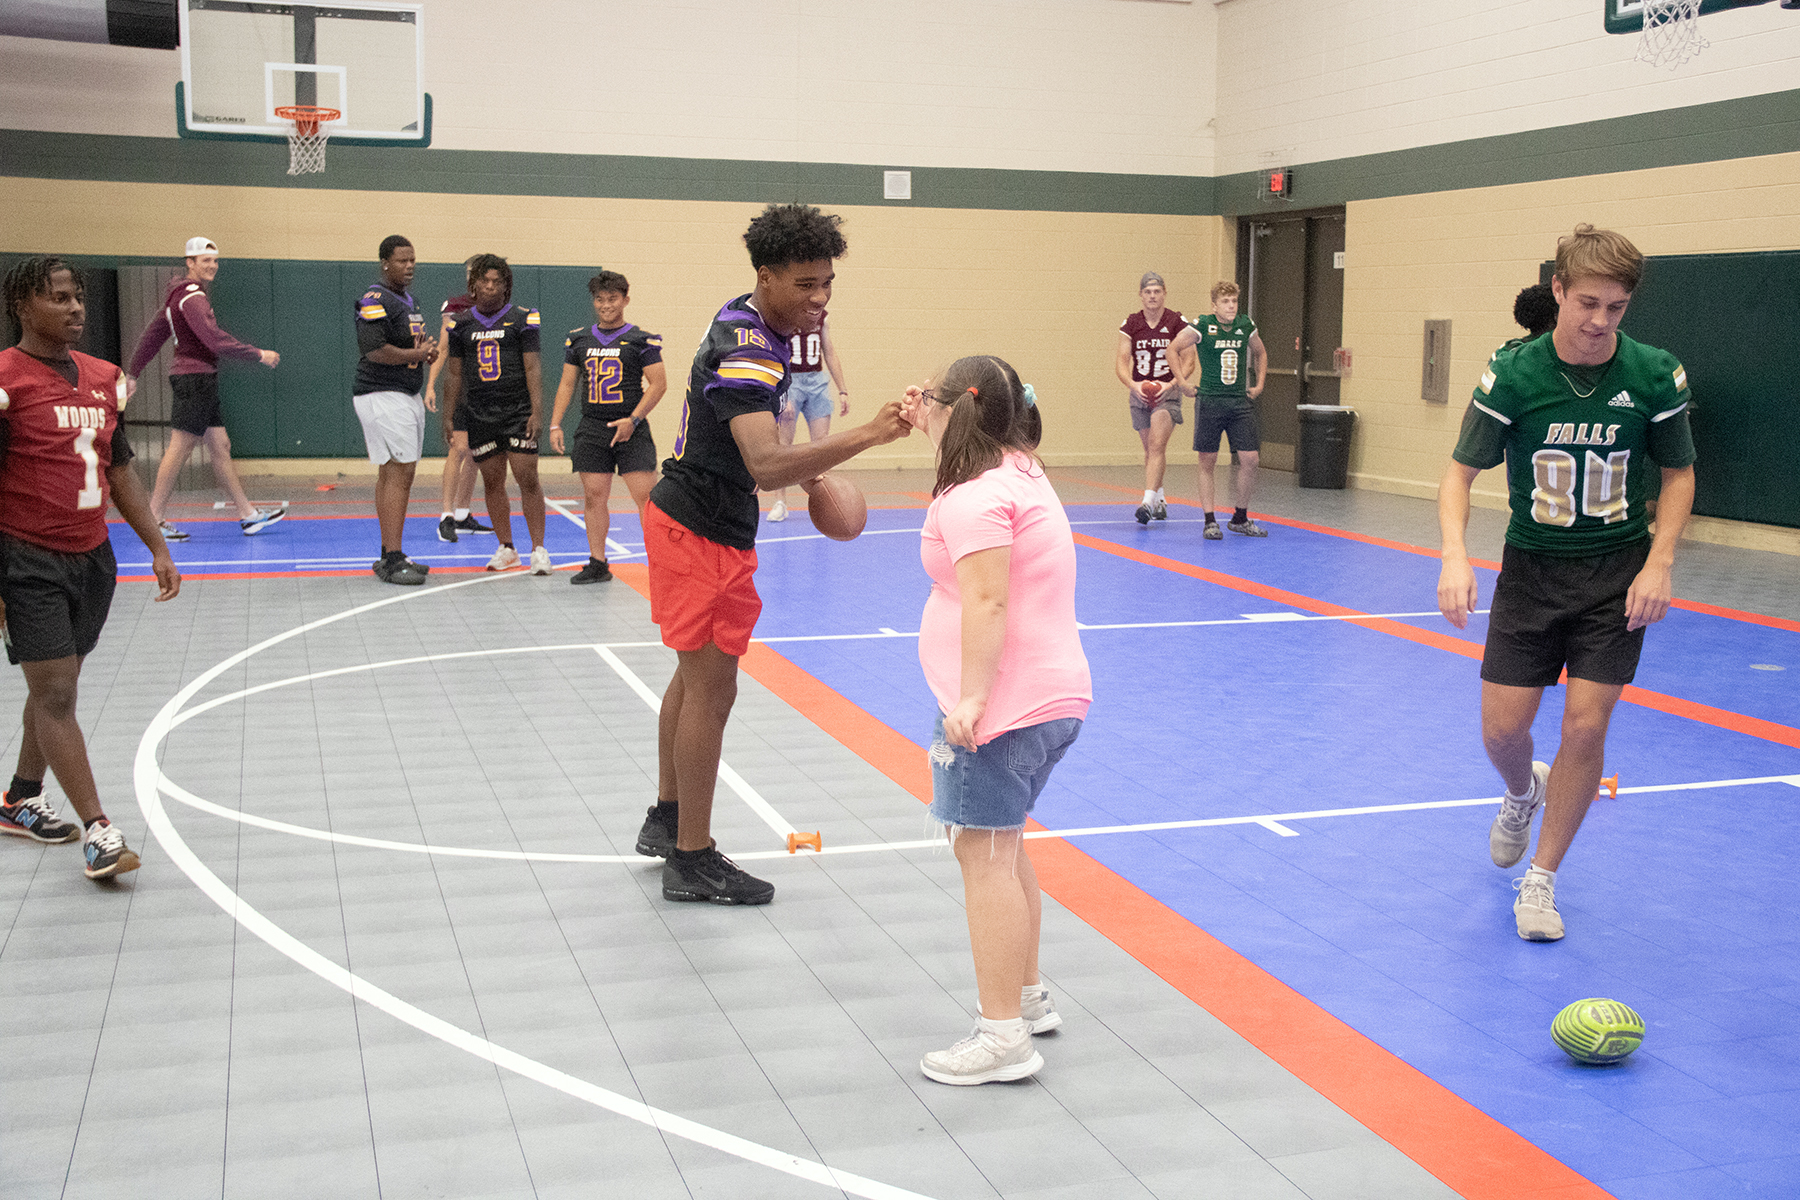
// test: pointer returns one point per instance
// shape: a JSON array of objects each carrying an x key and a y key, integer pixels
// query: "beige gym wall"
[
  {"x": 1464, "y": 255},
  {"x": 920, "y": 287}
]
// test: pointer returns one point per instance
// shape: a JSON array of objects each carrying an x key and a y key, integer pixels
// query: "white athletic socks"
[
  {"x": 1007, "y": 1031},
  {"x": 462, "y": 514},
  {"x": 1149, "y": 496},
  {"x": 1549, "y": 877},
  {"x": 1159, "y": 494}
]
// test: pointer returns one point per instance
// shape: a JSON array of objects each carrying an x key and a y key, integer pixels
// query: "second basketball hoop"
[{"x": 306, "y": 136}]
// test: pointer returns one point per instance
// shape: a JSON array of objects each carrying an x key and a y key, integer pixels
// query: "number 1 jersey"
[{"x": 61, "y": 439}]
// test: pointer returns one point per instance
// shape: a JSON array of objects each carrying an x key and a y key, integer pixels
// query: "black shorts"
[
  {"x": 594, "y": 454},
  {"x": 195, "y": 408},
  {"x": 1554, "y": 612},
  {"x": 1236, "y": 419},
  {"x": 488, "y": 438},
  {"x": 56, "y": 603}
]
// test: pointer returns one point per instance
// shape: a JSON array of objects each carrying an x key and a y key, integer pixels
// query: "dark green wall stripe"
[{"x": 1743, "y": 128}]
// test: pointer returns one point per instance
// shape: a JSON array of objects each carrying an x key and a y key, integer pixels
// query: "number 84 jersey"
[
  {"x": 60, "y": 440},
  {"x": 1579, "y": 442}
]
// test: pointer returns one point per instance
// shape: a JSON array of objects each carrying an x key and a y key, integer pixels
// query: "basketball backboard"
[
  {"x": 1627, "y": 16},
  {"x": 241, "y": 61}
]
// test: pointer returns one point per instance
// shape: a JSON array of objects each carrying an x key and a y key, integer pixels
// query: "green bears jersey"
[
  {"x": 1579, "y": 442},
  {"x": 1224, "y": 351}
]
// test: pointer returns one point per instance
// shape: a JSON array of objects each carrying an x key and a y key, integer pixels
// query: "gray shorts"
[
  {"x": 1169, "y": 402},
  {"x": 393, "y": 426}
]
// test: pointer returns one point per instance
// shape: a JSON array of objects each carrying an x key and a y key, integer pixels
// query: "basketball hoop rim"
[{"x": 308, "y": 117}]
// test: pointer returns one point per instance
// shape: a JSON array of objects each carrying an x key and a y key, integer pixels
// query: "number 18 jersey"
[{"x": 1578, "y": 442}]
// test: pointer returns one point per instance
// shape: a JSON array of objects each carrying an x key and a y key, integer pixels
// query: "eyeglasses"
[{"x": 931, "y": 397}]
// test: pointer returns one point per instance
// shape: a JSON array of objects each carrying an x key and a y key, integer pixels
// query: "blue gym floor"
[{"x": 1215, "y": 703}]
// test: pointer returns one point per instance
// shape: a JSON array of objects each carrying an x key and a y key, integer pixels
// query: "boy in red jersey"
[
  {"x": 62, "y": 451},
  {"x": 1142, "y": 360}
]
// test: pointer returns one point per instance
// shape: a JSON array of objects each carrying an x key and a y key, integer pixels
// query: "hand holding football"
[
  {"x": 837, "y": 508},
  {"x": 1150, "y": 389}
]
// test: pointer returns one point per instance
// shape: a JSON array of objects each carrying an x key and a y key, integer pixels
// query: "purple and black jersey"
[
  {"x": 492, "y": 350},
  {"x": 740, "y": 368},
  {"x": 612, "y": 363},
  {"x": 385, "y": 317}
]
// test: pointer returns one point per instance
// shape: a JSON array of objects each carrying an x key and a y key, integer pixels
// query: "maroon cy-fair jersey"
[
  {"x": 1149, "y": 346},
  {"x": 59, "y": 446}
]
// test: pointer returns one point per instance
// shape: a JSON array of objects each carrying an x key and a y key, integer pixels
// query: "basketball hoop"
[
  {"x": 1671, "y": 33},
  {"x": 306, "y": 140}
]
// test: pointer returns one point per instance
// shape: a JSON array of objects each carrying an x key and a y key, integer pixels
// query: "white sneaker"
[
  {"x": 1511, "y": 831},
  {"x": 505, "y": 559},
  {"x": 982, "y": 1058},
  {"x": 540, "y": 561},
  {"x": 1535, "y": 909},
  {"x": 778, "y": 511},
  {"x": 1039, "y": 1013}
]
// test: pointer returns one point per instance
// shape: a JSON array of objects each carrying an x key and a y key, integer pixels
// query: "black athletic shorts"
[
  {"x": 594, "y": 454},
  {"x": 487, "y": 439},
  {"x": 56, "y": 603},
  {"x": 1554, "y": 612},
  {"x": 1237, "y": 420},
  {"x": 195, "y": 408}
]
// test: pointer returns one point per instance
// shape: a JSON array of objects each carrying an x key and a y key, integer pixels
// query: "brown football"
[{"x": 837, "y": 508}]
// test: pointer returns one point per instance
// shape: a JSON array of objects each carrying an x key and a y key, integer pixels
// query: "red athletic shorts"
[{"x": 700, "y": 591}]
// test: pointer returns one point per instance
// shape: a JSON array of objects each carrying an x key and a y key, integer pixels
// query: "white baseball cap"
[{"x": 200, "y": 245}]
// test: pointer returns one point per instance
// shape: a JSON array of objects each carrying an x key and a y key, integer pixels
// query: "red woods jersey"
[
  {"x": 1149, "y": 346},
  {"x": 53, "y": 488}
]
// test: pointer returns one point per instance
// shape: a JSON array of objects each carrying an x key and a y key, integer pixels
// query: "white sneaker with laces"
[
  {"x": 778, "y": 511},
  {"x": 540, "y": 561},
  {"x": 505, "y": 559},
  {"x": 1511, "y": 831},
  {"x": 982, "y": 1058},
  {"x": 1535, "y": 909},
  {"x": 1039, "y": 1012}
]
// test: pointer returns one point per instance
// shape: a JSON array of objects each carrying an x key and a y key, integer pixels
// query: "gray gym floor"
[{"x": 529, "y": 1010}]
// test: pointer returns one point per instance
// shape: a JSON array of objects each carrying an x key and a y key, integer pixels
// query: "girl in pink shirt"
[{"x": 1000, "y": 650}]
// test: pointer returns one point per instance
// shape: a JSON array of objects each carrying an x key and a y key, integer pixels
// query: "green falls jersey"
[
  {"x": 1579, "y": 442},
  {"x": 1224, "y": 351}
]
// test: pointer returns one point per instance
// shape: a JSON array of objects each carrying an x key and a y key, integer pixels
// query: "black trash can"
[{"x": 1323, "y": 456}]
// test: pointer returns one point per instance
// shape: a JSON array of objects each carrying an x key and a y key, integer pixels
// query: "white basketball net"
[
  {"x": 306, "y": 148},
  {"x": 1671, "y": 33}
]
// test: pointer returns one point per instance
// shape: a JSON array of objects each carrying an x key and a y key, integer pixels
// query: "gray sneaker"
[
  {"x": 1248, "y": 527},
  {"x": 405, "y": 572},
  {"x": 1511, "y": 831},
  {"x": 982, "y": 1058},
  {"x": 1212, "y": 532},
  {"x": 1535, "y": 909}
]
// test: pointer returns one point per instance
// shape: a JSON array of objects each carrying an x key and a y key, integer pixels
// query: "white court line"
[
  {"x": 146, "y": 780},
  {"x": 733, "y": 780},
  {"x": 614, "y": 551}
]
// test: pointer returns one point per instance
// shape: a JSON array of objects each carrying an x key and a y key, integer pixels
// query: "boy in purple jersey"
[
  {"x": 458, "y": 481},
  {"x": 700, "y": 530}
]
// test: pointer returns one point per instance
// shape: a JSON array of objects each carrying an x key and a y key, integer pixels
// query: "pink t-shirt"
[{"x": 1043, "y": 673}]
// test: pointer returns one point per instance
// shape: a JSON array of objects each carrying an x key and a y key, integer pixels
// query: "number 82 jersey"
[
  {"x": 60, "y": 441},
  {"x": 1578, "y": 441}
]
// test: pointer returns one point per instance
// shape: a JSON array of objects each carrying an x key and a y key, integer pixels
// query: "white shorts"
[{"x": 393, "y": 426}]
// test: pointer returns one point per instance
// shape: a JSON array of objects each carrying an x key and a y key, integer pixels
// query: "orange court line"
[
  {"x": 1771, "y": 731},
  {"x": 1475, "y": 1155},
  {"x": 1714, "y": 610}
]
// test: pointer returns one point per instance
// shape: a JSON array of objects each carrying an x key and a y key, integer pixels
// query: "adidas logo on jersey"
[{"x": 1622, "y": 400}]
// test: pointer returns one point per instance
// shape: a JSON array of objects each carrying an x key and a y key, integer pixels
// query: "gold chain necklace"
[{"x": 1578, "y": 392}]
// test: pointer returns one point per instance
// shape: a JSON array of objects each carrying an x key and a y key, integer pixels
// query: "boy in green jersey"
[
  {"x": 1579, "y": 418},
  {"x": 1229, "y": 350}
]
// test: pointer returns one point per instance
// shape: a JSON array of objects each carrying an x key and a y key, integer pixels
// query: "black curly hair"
[
  {"x": 794, "y": 233},
  {"x": 481, "y": 264},
  {"x": 31, "y": 277},
  {"x": 1536, "y": 309}
]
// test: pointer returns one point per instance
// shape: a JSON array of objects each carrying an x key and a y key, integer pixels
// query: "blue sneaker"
[{"x": 107, "y": 853}]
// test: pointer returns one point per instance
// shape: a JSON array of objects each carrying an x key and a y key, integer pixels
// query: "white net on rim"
[
  {"x": 1671, "y": 33},
  {"x": 306, "y": 143}
]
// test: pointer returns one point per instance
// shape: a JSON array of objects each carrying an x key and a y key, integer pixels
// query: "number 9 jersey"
[
  {"x": 492, "y": 350},
  {"x": 1578, "y": 442},
  {"x": 60, "y": 440}
]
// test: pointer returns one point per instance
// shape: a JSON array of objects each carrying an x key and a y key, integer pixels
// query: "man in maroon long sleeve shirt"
[{"x": 187, "y": 319}]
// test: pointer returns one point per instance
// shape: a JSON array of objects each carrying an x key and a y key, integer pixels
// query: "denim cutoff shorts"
[{"x": 995, "y": 786}]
